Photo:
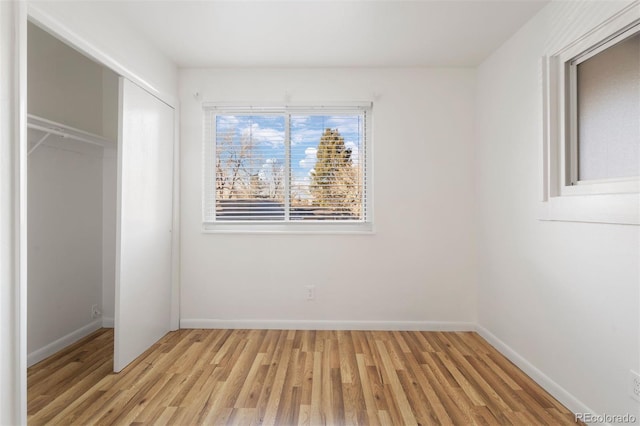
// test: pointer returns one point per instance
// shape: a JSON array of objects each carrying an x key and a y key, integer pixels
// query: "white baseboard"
[
  {"x": 557, "y": 391},
  {"x": 57, "y": 345},
  {"x": 107, "y": 322},
  {"x": 328, "y": 325}
]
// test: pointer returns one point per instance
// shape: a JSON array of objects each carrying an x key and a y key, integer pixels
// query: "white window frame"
[
  {"x": 363, "y": 226},
  {"x": 564, "y": 197}
]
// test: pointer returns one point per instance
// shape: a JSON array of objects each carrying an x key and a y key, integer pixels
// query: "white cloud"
[
  {"x": 268, "y": 135},
  {"x": 299, "y": 120},
  {"x": 226, "y": 122},
  {"x": 310, "y": 158},
  {"x": 306, "y": 135}
]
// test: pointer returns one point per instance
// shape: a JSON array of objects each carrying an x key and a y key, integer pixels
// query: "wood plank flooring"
[{"x": 276, "y": 377}]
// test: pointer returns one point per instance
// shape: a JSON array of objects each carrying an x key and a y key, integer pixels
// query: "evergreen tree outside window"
[{"x": 285, "y": 166}]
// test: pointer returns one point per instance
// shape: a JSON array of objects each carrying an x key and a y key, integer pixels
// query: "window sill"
[
  {"x": 621, "y": 209},
  {"x": 604, "y": 187},
  {"x": 288, "y": 228}
]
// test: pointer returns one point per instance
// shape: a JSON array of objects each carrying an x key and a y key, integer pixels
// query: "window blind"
[{"x": 292, "y": 165}]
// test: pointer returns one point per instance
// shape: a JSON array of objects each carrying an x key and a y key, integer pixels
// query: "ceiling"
[{"x": 324, "y": 33}]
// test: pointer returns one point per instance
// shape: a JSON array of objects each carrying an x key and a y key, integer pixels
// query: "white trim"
[
  {"x": 334, "y": 227},
  {"x": 21, "y": 205},
  {"x": 602, "y": 186},
  {"x": 557, "y": 391},
  {"x": 63, "y": 32},
  {"x": 613, "y": 40},
  {"x": 61, "y": 343},
  {"x": 108, "y": 322},
  {"x": 619, "y": 209},
  {"x": 318, "y": 107},
  {"x": 327, "y": 325},
  {"x": 116, "y": 308}
]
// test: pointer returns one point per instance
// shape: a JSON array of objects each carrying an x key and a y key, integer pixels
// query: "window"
[
  {"x": 286, "y": 168},
  {"x": 591, "y": 149},
  {"x": 604, "y": 106}
]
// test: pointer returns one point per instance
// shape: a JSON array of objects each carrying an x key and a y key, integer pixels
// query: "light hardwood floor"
[{"x": 274, "y": 377}]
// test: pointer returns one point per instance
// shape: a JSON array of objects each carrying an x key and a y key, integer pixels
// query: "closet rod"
[{"x": 64, "y": 134}]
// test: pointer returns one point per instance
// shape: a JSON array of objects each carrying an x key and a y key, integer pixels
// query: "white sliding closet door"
[{"x": 145, "y": 198}]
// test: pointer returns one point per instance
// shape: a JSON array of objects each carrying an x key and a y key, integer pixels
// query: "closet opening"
[{"x": 72, "y": 108}]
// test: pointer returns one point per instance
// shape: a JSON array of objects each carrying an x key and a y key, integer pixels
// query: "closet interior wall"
[{"x": 71, "y": 196}]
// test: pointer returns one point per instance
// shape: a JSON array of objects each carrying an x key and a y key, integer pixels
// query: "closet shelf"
[{"x": 49, "y": 128}]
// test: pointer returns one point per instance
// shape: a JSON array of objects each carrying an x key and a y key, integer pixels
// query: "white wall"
[
  {"x": 64, "y": 86},
  {"x": 563, "y": 296},
  {"x": 65, "y": 241},
  {"x": 418, "y": 266},
  {"x": 96, "y": 25}
]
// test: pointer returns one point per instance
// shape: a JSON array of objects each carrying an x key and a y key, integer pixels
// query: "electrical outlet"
[
  {"x": 95, "y": 312},
  {"x": 311, "y": 292},
  {"x": 634, "y": 385}
]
